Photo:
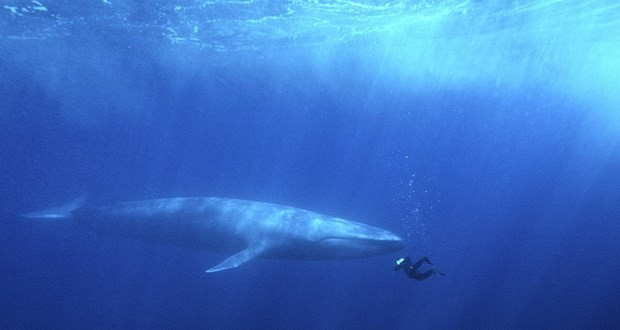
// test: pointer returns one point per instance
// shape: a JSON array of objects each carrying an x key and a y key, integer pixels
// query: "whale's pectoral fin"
[{"x": 239, "y": 258}]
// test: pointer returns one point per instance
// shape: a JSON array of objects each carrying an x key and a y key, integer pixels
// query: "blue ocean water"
[{"x": 485, "y": 133}]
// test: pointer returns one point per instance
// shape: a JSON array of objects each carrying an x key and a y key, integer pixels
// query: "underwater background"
[{"x": 485, "y": 133}]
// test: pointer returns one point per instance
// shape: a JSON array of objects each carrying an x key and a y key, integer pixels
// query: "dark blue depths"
[{"x": 513, "y": 192}]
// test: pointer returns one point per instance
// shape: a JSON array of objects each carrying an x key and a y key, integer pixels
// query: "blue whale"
[{"x": 241, "y": 228}]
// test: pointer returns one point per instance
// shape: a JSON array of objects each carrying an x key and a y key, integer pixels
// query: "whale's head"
[
  {"x": 348, "y": 239},
  {"x": 335, "y": 238}
]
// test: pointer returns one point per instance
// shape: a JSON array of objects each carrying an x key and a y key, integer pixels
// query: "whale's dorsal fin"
[{"x": 239, "y": 258}]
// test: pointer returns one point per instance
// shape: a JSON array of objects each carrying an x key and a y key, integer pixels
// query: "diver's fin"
[
  {"x": 437, "y": 271},
  {"x": 239, "y": 258},
  {"x": 62, "y": 212}
]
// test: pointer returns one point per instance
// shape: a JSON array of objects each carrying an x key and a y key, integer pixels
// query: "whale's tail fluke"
[{"x": 62, "y": 212}]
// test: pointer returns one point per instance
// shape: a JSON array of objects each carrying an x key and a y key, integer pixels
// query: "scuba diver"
[{"x": 412, "y": 269}]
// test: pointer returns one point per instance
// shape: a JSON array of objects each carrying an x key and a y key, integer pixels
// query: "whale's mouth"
[{"x": 390, "y": 240}]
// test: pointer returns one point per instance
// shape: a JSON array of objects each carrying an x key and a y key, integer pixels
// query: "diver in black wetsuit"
[{"x": 412, "y": 269}]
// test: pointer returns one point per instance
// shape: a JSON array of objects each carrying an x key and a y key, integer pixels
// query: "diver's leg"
[
  {"x": 412, "y": 269},
  {"x": 435, "y": 270},
  {"x": 422, "y": 276},
  {"x": 418, "y": 264}
]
